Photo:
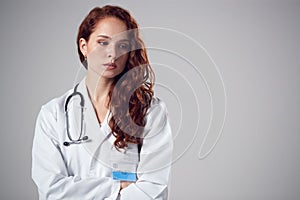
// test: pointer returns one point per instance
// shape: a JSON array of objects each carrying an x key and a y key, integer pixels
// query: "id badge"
[
  {"x": 124, "y": 172},
  {"x": 124, "y": 165}
]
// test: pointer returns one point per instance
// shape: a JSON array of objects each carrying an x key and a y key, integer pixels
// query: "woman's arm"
[
  {"x": 50, "y": 174},
  {"x": 155, "y": 158}
]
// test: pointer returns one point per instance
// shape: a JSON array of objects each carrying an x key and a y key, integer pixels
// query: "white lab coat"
[{"x": 83, "y": 171}]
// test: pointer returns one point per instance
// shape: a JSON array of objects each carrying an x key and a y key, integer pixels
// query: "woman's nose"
[{"x": 112, "y": 52}]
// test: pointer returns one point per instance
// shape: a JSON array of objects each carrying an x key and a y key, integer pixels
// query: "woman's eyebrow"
[
  {"x": 104, "y": 36},
  {"x": 108, "y": 37},
  {"x": 123, "y": 40}
]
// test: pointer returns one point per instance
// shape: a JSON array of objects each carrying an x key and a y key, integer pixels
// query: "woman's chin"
[{"x": 108, "y": 74}]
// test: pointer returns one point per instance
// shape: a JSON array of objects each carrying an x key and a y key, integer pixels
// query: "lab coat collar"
[
  {"x": 88, "y": 103},
  {"x": 94, "y": 131}
]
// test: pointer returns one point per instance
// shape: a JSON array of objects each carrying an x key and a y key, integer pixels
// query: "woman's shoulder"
[
  {"x": 157, "y": 123},
  {"x": 56, "y": 104},
  {"x": 157, "y": 110},
  {"x": 157, "y": 104},
  {"x": 50, "y": 115}
]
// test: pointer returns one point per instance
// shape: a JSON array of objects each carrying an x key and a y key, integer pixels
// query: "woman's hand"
[{"x": 125, "y": 184}]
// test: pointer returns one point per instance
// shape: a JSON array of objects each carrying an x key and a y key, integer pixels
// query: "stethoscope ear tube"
[{"x": 74, "y": 93}]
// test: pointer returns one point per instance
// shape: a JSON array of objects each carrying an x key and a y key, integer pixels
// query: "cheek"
[
  {"x": 123, "y": 59},
  {"x": 97, "y": 51},
  {"x": 96, "y": 55}
]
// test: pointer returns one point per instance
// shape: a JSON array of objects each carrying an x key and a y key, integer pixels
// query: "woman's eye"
[
  {"x": 124, "y": 46},
  {"x": 103, "y": 43}
]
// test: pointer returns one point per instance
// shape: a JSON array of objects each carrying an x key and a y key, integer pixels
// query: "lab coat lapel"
[{"x": 93, "y": 131}]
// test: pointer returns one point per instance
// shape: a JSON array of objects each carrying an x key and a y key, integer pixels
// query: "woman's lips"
[{"x": 110, "y": 66}]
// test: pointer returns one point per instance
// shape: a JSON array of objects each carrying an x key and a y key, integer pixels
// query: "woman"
[{"x": 109, "y": 137}]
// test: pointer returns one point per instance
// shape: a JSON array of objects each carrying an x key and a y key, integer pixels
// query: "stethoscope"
[{"x": 80, "y": 138}]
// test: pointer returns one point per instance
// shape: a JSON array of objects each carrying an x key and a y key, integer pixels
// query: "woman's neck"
[{"x": 98, "y": 87}]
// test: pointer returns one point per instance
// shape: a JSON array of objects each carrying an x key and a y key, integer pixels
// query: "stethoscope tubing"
[{"x": 82, "y": 103}]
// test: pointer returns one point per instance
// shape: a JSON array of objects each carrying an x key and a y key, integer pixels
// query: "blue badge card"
[
  {"x": 124, "y": 176},
  {"x": 124, "y": 164}
]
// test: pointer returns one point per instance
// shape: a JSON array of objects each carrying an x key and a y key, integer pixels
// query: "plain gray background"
[{"x": 256, "y": 46}]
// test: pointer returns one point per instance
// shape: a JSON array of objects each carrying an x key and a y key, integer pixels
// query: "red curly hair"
[{"x": 132, "y": 91}]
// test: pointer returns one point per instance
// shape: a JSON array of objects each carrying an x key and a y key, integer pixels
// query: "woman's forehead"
[{"x": 111, "y": 27}]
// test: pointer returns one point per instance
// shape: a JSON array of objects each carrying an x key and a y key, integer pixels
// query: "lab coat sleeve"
[
  {"x": 155, "y": 159},
  {"x": 50, "y": 174}
]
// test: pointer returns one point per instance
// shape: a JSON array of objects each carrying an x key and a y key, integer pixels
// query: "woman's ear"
[{"x": 83, "y": 46}]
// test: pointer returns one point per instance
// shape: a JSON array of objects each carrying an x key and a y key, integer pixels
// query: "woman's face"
[{"x": 107, "y": 48}]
